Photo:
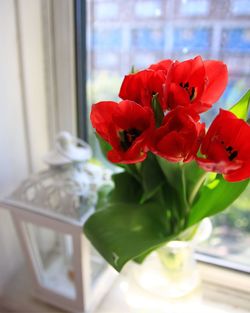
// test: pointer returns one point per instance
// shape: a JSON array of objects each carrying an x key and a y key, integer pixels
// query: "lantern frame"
[
  {"x": 86, "y": 297},
  {"x": 58, "y": 201}
]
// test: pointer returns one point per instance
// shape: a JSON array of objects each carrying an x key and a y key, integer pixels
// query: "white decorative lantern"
[{"x": 49, "y": 210}]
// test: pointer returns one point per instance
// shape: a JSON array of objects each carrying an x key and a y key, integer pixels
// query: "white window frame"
[
  {"x": 225, "y": 285},
  {"x": 59, "y": 51}
]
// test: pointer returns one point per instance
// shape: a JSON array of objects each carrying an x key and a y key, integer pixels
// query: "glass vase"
[{"x": 171, "y": 271}]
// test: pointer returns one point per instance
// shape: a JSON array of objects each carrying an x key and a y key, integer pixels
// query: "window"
[{"x": 140, "y": 32}]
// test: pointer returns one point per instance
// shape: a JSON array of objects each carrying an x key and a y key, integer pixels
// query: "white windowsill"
[{"x": 126, "y": 296}]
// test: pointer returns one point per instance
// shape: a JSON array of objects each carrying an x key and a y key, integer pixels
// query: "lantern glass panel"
[
  {"x": 52, "y": 256},
  {"x": 98, "y": 265}
]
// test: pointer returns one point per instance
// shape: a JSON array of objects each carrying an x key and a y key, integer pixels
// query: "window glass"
[
  {"x": 240, "y": 7},
  {"x": 150, "y": 8},
  {"x": 195, "y": 8},
  {"x": 236, "y": 40},
  {"x": 230, "y": 240},
  {"x": 148, "y": 39},
  {"x": 52, "y": 255},
  {"x": 192, "y": 39},
  {"x": 107, "y": 39},
  {"x": 106, "y": 10},
  {"x": 138, "y": 33}
]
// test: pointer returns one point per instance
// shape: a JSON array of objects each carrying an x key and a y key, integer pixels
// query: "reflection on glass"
[{"x": 52, "y": 255}]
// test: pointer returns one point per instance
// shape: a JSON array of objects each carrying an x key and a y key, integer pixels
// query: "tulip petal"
[
  {"x": 178, "y": 97},
  {"x": 129, "y": 114},
  {"x": 227, "y": 148},
  {"x": 134, "y": 155},
  {"x": 130, "y": 88},
  {"x": 101, "y": 117},
  {"x": 239, "y": 175},
  {"x": 217, "y": 76},
  {"x": 126, "y": 126},
  {"x": 221, "y": 167},
  {"x": 171, "y": 147},
  {"x": 179, "y": 137},
  {"x": 163, "y": 65}
]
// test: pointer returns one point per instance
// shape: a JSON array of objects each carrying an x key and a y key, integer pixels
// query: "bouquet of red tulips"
[{"x": 175, "y": 172}]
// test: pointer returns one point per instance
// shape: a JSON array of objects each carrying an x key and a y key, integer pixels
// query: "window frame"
[
  {"x": 226, "y": 285},
  {"x": 57, "y": 19},
  {"x": 81, "y": 66}
]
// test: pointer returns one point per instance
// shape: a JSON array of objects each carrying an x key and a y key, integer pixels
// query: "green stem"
[
  {"x": 189, "y": 233},
  {"x": 197, "y": 187},
  {"x": 184, "y": 187},
  {"x": 132, "y": 169},
  {"x": 186, "y": 203}
]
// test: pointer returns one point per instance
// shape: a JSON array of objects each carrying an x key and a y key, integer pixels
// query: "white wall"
[
  {"x": 23, "y": 129},
  {"x": 29, "y": 88}
]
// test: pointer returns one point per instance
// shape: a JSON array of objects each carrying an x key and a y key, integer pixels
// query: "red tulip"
[
  {"x": 226, "y": 147},
  {"x": 179, "y": 137},
  {"x": 141, "y": 86},
  {"x": 197, "y": 84},
  {"x": 163, "y": 65},
  {"x": 126, "y": 126}
]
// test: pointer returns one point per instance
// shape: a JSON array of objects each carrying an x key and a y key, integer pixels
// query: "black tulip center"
[
  {"x": 232, "y": 154},
  {"x": 128, "y": 136},
  {"x": 189, "y": 89}
]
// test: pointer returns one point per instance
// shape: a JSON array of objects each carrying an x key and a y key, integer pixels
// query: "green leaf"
[
  {"x": 104, "y": 145},
  {"x": 103, "y": 193},
  {"x": 152, "y": 177},
  {"x": 127, "y": 189},
  {"x": 105, "y": 148},
  {"x": 122, "y": 232},
  {"x": 133, "y": 70},
  {"x": 175, "y": 176},
  {"x": 214, "y": 198},
  {"x": 172, "y": 172},
  {"x": 194, "y": 178},
  {"x": 140, "y": 259},
  {"x": 240, "y": 109},
  {"x": 158, "y": 112},
  {"x": 169, "y": 198},
  {"x": 133, "y": 170}
]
